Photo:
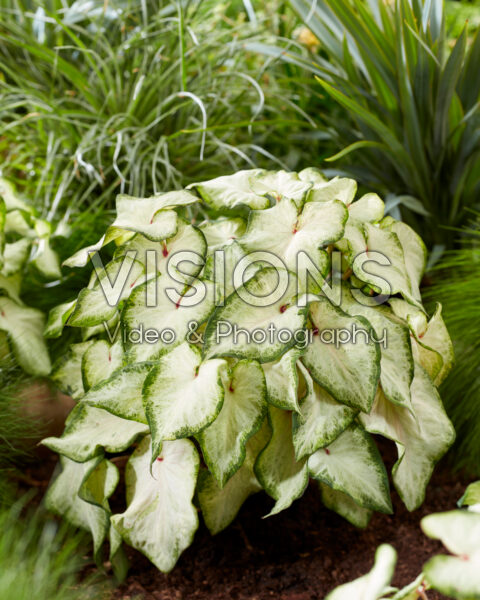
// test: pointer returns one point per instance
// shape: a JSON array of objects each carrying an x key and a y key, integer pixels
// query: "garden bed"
[{"x": 300, "y": 554}]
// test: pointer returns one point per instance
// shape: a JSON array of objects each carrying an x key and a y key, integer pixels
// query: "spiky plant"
[
  {"x": 411, "y": 122},
  {"x": 457, "y": 286},
  {"x": 40, "y": 558},
  {"x": 134, "y": 97}
]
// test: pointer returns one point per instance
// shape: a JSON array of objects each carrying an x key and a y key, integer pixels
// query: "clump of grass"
[
  {"x": 41, "y": 559},
  {"x": 135, "y": 97},
  {"x": 457, "y": 286},
  {"x": 410, "y": 120}
]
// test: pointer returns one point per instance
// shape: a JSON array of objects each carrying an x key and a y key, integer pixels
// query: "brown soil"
[{"x": 301, "y": 554}]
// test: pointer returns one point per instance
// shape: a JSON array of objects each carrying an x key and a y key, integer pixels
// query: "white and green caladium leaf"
[
  {"x": 187, "y": 237},
  {"x": 220, "y": 232},
  {"x": 232, "y": 191},
  {"x": 220, "y": 267},
  {"x": 414, "y": 251},
  {"x": 285, "y": 232},
  {"x": 152, "y": 217},
  {"x": 278, "y": 471},
  {"x": 219, "y": 505},
  {"x": 456, "y": 576},
  {"x": 370, "y": 267},
  {"x": 257, "y": 307},
  {"x": 20, "y": 222},
  {"x": 471, "y": 497},
  {"x": 80, "y": 494},
  {"x": 320, "y": 419},
  {"x": 343, "y": 505},
  {"x": 46, "y": 260},
  {"x": 24, "y": 327},
  {"x": 67, "y": 370},
  {"x": 91, "y": 430},
  {"x": 367, "y": 209},
  {"x": 100, "y": 360},
  {"x": 352, "y": 465},
  {"x": 244, "y": 406},
  {"x": 100, "y": 302},
  {"x": 57, "y": 319},
  {"x": 373, "y": 585},
  {"x": 121, "y": 393},
  {"x": 182, "y": 394},
  {"x": 349, "y": 370},
  {"x": 282, "y": 380},
  {"x": 160, "y": 520},
  {"x": 281, "y": 184},
  {"x": 10, "y": 196},
  {"x": 430, "y": 358},
  {"x": 396, "y": 363},
  {"x": 153, "y": 307},
  {"x": 15, "y": 255},
  {"x": 422, "y": 437},
  {"x": 338, "y": 188},
  {"x": 312, "y": 175}
]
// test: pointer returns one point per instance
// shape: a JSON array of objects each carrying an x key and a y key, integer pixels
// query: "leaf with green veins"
[
  {"x": 224, "y": 441},
  {"x": 220, "y": 506},
  {"x": 121, "y": 393},
  {"x": 456, "y": 576},
  {"x": 98, "y": 304},
  {"x": 352, "y": 465},
  {"x": 422, "y": 438},
  {"x": 396, "y": 363},
  {"x": 80, "y": 494},
  {"x": 348, "y": 371},
  {"x": 280, "y": 474},
  {"x": 286, "y": 233},
  {"x": 373, "y": 585},
  {"x": 282, "y": 380},
  {"x": 353, "y": 241},
  {"x": 160, "y": 519},
  {"x": 91, "y": 431},
  {"x": 182, "y": 394},
  {"x": 265, "y": 315},
  {"x": 187, "y": 238},
  {"x": 231, "y": 191},
  {"x": 436, "y": 338},
  {"x": 343, "y": 505},
  {"x": 15, "y": 255},
  {"x": 338, "y": 188},
  {"x": 221, "y": 231},
  {"x": 152, "y": 306},
  {"x": 153, "y": 217},
  {"x": 100, "y": 360},
  {"x": 320, "y": 419},
  {"x": 281, "y": 184},
  {"x": 57, "y": 319},
  {"x": 369, "y": 208},
  {"x": 24, "y": 327},
  {"x": 67, "y": 370}
]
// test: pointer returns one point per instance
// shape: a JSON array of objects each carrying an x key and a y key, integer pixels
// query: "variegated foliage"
[{"x": 208, "y": 421}]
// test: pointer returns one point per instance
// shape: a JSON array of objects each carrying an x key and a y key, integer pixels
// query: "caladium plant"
[
  {"x": 24, "y": 240},
  {"x": 255, "y": 349}
]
